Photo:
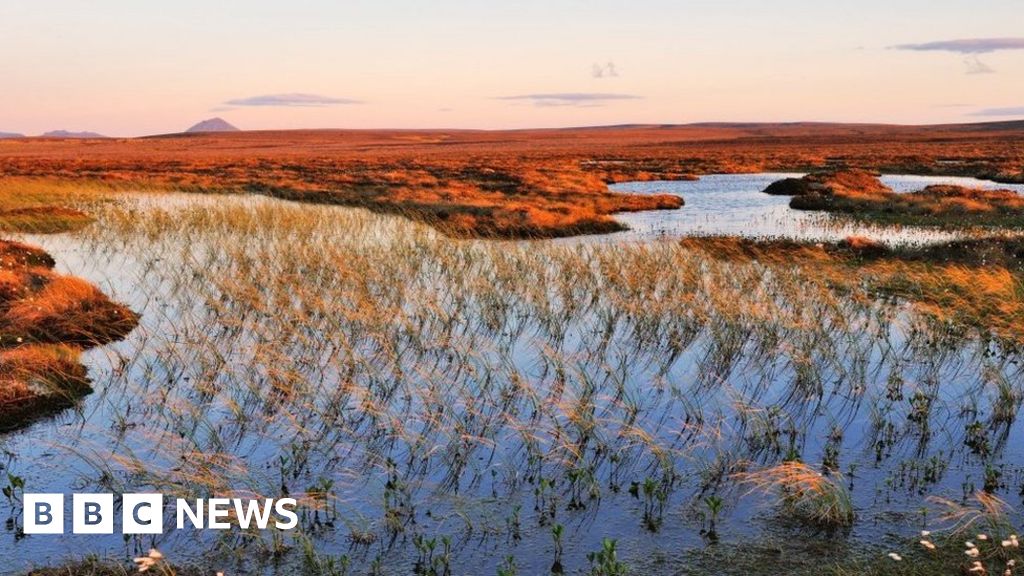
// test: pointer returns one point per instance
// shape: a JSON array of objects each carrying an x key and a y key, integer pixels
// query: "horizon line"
[{"x": 723, "y": 123}]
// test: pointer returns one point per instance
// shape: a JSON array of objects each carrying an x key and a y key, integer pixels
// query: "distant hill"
[
  {"x": 212, "y": 125},
  {"x": 994, "y": 126},
  {"x": 10, "y": 135},
  {"x": 67, "y": 134}
]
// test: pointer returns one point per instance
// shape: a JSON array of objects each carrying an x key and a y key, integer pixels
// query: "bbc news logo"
[{"x": 144, "y": 513}]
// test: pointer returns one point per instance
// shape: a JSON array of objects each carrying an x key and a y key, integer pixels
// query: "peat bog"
[{"x": 806, "y": 401}]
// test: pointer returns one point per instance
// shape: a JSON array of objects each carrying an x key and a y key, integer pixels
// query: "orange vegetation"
[
  {"x": 36, "y": 377},
  {"x": 836, "y": 182},
  {"x": 16, "y": 256},
  {"x": 66, "y": 310},
  {"x": 509, "y": 183},
  {"x": 42, "y": 219},
  {"x": 45, "y": 321},
  {"x": 860, "y": 192},
  {"x": 976, "y": 283},
  {"x": 804, "y": 491}
]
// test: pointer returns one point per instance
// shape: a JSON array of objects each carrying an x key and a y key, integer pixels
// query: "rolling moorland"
[
  {"x": 510, "y": 184},
  {"x": 443, "y": 406}
]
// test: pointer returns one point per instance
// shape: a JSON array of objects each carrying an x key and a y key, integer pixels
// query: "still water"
[{"x": 733, "y": 204}]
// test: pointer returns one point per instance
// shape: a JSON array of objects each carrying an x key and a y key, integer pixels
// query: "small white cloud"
[
  {"x": 571, "y": 98},
  {"x": 290, "y": 100},
  {"x": 970, "y": 47},
  {"x": 606, "y": 70}
]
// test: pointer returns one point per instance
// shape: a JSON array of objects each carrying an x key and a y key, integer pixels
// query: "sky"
[{"x": 131, "y": 67}]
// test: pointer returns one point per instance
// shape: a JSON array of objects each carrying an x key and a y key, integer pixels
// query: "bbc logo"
[
  {"x": 94, "y": 514},
  {"x": 144, "y": 513}
]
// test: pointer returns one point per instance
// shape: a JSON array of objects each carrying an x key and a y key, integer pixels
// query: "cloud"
[
  {"x": 970, "y": 48},
  {"x": 571, "y": 98},
  {"x": 976, "y": 66},
  {"x": 290, "y": 100},
  {"x": 606, "y": 70},
  {"x": 966, "y": 45},
  {"x": 1010, "y": 111}
]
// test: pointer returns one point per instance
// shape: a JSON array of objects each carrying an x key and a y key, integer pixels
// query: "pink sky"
[{"x": 130, "y": 68}]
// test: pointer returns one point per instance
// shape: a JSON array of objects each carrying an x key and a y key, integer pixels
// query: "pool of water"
[
  {"x": 469, "y": 371},
  {"x": 733, "y": 204}
]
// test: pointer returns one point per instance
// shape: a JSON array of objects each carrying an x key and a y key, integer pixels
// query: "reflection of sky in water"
[
  {"x": 733, "y": 204},
  {"x": 908, "y": 183},
  {"x": 147, "y": 382}
]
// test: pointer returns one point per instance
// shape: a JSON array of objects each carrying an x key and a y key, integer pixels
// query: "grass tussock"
[
  {"x": 46, "y": 319},
  {"x": 983, "y": 512},
  {"x": 803, "y": 493},
  {"x": 19, "y": 256},
  {"x": 36, "y": 379},
  {"x": 66, "y": 310}
]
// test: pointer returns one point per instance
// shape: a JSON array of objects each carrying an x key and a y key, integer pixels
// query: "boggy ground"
[
  {"x": 46, "y": 320},
  {"x": 41, "y": 206},
  {"x": 453, "y": 299},
  {"x": 510, "y": 184},
  {"x": 977, "y": 283},
  {"x": 861, "y": 194}
]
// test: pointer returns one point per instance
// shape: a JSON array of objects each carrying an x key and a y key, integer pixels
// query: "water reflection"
[{"x": 733, "y": 204}]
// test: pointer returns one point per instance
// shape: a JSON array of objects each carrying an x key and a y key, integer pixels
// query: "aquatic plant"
[
  {"x": 605, "y": 562},
  {"x": 804, "y": 493}
]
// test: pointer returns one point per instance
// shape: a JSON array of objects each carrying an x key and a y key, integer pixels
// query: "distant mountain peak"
[
  {"x": 69, "y": 134},
  {"x": 212, "y": 125},
  {"x": 11, "y": 135}
]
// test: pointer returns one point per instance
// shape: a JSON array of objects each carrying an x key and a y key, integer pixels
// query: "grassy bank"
[
  {"x": 46, "y": 318},
  {"x": 976, "y": 283},
  {"x": 860, "y": 194}
]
